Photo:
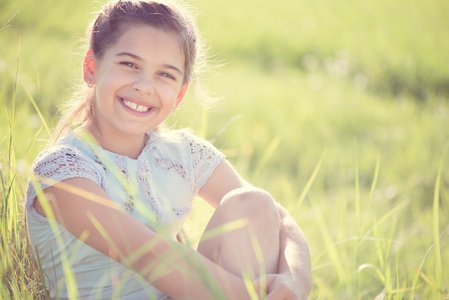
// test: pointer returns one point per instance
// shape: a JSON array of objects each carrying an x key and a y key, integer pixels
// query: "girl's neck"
[{"x": 122, "y": 144}]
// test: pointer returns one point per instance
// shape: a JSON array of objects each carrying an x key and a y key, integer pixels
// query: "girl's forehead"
[
  {"x": 145, "y": 38},
  {"x": 141, "y": 32}
]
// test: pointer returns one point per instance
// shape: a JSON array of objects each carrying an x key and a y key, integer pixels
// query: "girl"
[{"x": 108, "y": 197}]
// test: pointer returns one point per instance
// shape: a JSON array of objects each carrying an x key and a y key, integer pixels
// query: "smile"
[{"x": 134, "y": 106}]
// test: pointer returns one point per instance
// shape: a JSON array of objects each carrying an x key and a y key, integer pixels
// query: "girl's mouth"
[{"x": 134, "y": 106}]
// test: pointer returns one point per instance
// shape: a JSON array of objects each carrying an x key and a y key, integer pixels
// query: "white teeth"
[{"x": 134, "y": 106}]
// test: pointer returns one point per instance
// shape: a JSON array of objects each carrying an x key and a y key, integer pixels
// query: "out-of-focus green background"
[{"x": 339, "y": 108}]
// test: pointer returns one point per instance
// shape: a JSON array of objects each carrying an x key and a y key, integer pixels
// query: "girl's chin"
[{"x": 137, "y": 129}]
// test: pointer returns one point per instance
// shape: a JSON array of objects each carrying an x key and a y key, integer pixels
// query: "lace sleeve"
[
  {"x": 56, "y": 165},
  {"x": 205, "y": 158}
]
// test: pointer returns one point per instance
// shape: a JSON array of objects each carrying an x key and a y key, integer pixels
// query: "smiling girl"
[{"x": 107, "y": 199}]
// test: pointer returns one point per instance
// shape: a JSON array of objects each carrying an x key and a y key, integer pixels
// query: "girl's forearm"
[{"x": 294, "y": 258}]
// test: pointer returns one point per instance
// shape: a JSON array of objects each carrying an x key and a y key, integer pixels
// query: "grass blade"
[
  {"x": 436, "y": 231},
  {"x": 41, "y": 271},
  {"x": 357, "y": 193},
  {"x": 38, "y": 112},
  {"x": 309, "y": 183},
  {"x": 375, "y": 178},
  {"x": 418, "y": 271},
  {"x": 267, "y": 155}
]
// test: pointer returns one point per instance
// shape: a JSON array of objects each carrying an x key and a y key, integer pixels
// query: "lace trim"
[
  {"x": 121, "y": 163},
  {"x": 54, "y": 166},
  {"x": 144, "y": 177},
  {"x": 205, "y": 159},
  {"x": 170, "y": 165}
]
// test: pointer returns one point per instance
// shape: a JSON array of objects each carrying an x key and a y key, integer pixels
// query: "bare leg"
[{"x": 235, "y": 250}]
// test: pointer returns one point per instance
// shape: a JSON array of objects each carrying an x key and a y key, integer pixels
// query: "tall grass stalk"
[
  {"x": 330, "y": 246},
  {"x": 419, "y": 272},
  {"x": 39, "y": 113},
  {"x": 267, "y": 155},
  {"x": 309, "y": 183},
  {"x": 8, "y": 228},
  {"x": 357, "y": 194},
  {"x": 436, "y": 228},
  {"x": 374, "y": 182},
  {"x": 436, "y": 238}
]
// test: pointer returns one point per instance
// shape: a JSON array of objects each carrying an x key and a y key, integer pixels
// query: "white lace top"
[{"x": 156, "y": 188}]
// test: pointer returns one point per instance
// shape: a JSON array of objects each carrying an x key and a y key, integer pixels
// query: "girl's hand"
[{"x": 280, "y": 287}]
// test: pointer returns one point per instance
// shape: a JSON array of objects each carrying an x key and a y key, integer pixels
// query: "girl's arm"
[
  {"x": 84, "y": 209},
  {"x": 294, "y": 261}
]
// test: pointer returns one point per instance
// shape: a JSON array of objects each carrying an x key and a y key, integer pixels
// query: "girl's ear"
[
  {"x": 181, "y": 94},
  {"x": 88, "y": 67}
]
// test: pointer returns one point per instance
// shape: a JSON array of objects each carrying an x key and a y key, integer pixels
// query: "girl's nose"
[{"x": 144, "y": 84}]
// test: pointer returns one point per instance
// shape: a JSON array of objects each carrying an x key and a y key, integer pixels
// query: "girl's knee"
[
  {"x": 252, "y": 203},
  {"x": 257, "y": 208},
  {"x": 234, "y": 249}
]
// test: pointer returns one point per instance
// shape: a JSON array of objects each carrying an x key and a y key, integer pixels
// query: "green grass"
[{"x": 339, "y": 108}]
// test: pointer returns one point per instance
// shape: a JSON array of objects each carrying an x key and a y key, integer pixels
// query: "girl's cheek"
[{"x": 171, "y": 91}]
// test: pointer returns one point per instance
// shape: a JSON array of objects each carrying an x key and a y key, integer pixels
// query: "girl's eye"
[
  {"x": 167, "y": 75},
  {"x": 129, "y": 64}
]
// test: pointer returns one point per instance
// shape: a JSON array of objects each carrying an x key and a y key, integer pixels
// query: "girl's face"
[{"x": 138, "y": 81}]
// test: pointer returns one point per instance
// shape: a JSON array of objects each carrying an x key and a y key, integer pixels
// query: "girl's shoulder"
[
  {"x": 185, "y": 152},
  {"x": 63, "y": 160},
  {"x": 67, "y": 155}
]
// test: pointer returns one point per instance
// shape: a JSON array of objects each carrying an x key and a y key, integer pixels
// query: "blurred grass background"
[{"x": 356, "y": 91}]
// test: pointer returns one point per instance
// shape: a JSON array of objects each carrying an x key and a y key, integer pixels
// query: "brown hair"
[{"x": 107, "y": 28}]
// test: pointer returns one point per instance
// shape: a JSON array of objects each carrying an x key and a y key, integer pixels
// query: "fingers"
[
  {"x": 280, "y": 292},
  {"x": 263, "y": 286},
  {"x": 276, "y": 289}
]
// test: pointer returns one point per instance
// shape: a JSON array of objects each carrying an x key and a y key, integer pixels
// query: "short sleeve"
[
  {"x": 55, "y": 165},
  {"x": 205, "y": 158}
]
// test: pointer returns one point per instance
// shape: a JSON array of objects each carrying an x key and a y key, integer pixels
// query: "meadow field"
[{"x": 340, "y": 109}]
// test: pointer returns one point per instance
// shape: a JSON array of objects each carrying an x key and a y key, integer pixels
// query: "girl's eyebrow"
[{"x": 136, "y": 57}]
